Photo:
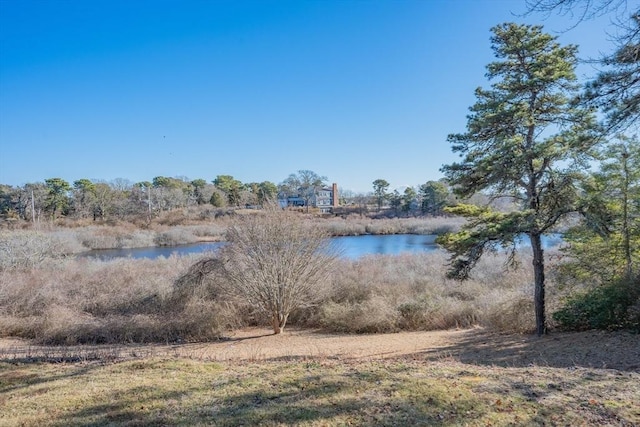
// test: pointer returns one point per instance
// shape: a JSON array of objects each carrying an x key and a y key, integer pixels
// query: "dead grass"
[
  {"x": 411, "y": 292},
  {"x": 355, "y": 226},
  {"x": 301, "y": 378},
  {"x": 129, "y": 300},
  {"x": 91, "y": 301}
]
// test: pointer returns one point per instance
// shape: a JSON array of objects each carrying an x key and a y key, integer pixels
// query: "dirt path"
[{"x": 595, "y": 349}]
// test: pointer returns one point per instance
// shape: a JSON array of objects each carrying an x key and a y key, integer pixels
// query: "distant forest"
[{"x": 122, "y": 199}]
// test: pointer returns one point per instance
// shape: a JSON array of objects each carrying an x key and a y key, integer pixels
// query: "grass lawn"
[{"x": 400, "y": 391}]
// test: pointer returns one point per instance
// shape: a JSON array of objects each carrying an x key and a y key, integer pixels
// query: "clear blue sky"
[{"x": 352, "y": 89}]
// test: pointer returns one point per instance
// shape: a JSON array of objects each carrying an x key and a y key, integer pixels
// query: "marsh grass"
[
  {"x": 29, "y": 248},
  {"x": 49, "y": 296},
  {"x": 318, "y": 392},
  {"x": 130, "y": 236},
  {"x": 356, "y": 226},
  {"x": 411, "y": 292},
  {"x": 127, "y": 300},
  {"x": 24, "y": 249},
  {"x": 91, "y": 301},
  {"x": 51, "y": 241}
]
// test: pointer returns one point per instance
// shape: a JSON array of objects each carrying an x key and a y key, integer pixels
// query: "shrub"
[
  {"x": 277, "y": 263},
  {"x": 215, "y": 231},
  {"x": 612, "y": 306},
  {"x": 510, "y": 311},
  {"x": 187, "y": 299},
  {"x": 92, "y": 301},
  {"x": 24, "y": 249},
  {"x": 374, "y": 315},
  {"x": 175, "y": 236},
  {"x": 387, "y": 293},
  {"x": 437, "y": 313}
]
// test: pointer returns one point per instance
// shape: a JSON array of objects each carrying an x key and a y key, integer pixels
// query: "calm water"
[
  {"x": 393, "y": 244},
  {"x": 152, "y": 252},
  {"x": 350, "y": 247}
]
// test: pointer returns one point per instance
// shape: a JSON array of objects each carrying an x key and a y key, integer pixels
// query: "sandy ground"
[{"x": 593, "y": 349}]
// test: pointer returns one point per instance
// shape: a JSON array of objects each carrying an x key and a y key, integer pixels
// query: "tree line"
[{"x": 122, "y": 199}]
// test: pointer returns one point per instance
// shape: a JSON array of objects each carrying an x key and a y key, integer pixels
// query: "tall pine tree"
[{"x": 526, "y": 139}]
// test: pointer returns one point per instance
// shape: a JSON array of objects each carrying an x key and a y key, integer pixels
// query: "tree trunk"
[
  {"x": 279, "y": 321},
  {"x": 626, "y": 230},
  {"x": 276, "y": 325},
  {"x": 538, "y": 273}
]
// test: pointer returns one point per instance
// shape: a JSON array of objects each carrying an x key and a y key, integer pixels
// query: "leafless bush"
[
  {"x": 191, "y": 215},
  {"x": 201, "y": 289},
  {"x": 200, "y": 281},
  {"x": 216, "y": 213},
  {"x": 437, "y": 313},
  {"x": 91, "y": 301},
  {"x": 173, "y": 217},
  {"x": 214, "y": 231},
  {"x": 190, "y": 298},
  {"x": 510, "y": 311},
  {"x": 277, "y": 263},
  {"x": 26, "y": 249},
  {"x": 404, "y": 288}
]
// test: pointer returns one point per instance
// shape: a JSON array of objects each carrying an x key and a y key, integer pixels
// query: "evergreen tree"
[
  {"x": 606, "y": 246},
  {"x": 434, "y": 195},
  {"x": 380, "y": 187},
  {"x": 616, "y": 89},
  {"x": 57, "y": 197},
  {"x": 408, "y": 198},
  {"x": 525, "y": 138}
]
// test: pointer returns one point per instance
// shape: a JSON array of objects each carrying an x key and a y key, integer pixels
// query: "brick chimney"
[{"x": 334, "y": 195}]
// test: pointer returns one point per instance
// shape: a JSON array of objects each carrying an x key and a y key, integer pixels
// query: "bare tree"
[
  {"x": 278, "y": 263},
  {"x": 578, "y": 9},
  {"x": 304, "y": 184}
]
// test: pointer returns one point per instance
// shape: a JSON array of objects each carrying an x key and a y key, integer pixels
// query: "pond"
[
  {"x": 152, "y": 251},
  {"x": 351, "y": 247},
  {"x": 354, "y": 247}
]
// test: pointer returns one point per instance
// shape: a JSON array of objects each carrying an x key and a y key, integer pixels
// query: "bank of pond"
[{"x": 351, "y": 247}]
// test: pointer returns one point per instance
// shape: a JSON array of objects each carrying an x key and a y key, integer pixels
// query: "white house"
[{"x": 325, "y": 199}]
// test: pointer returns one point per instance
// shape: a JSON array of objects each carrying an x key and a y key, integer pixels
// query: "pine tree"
[{"x": 526, "y": 139}]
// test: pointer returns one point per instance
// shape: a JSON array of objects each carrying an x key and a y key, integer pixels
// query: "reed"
[{"x": 68, "y": 300}]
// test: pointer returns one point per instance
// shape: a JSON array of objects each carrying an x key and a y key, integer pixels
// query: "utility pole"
[
  {"x": 149, "y": 203},
  {"x": 33, "y": 208}
]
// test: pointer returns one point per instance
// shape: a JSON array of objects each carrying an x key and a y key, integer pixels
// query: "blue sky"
[{"x": 355, "y": 90}]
